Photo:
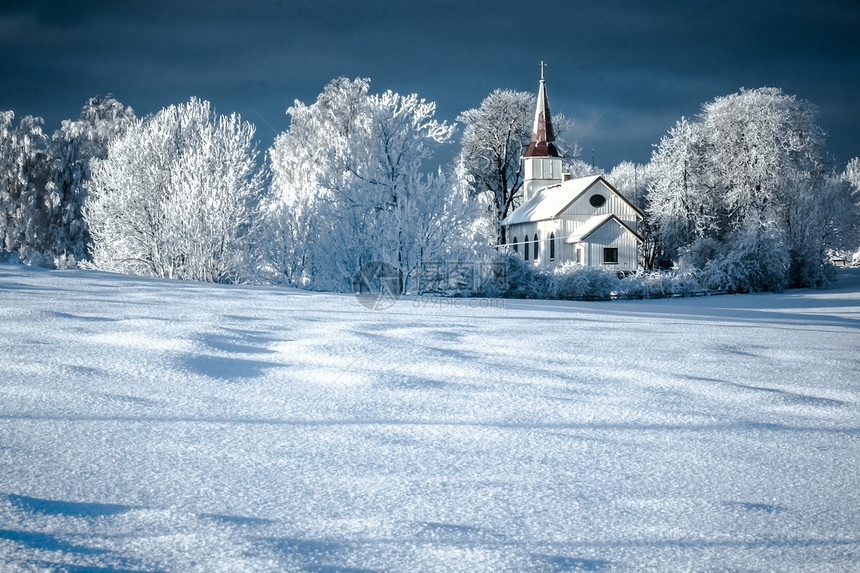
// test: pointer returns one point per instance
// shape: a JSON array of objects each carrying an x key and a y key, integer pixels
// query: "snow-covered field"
[{"x": 150, "y": 425}]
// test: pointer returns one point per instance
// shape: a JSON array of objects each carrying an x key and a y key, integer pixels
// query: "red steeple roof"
[{"x": 542, "y": 143}]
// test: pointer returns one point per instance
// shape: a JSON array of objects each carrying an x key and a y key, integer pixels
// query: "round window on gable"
[{"x": 597, "y": 200}]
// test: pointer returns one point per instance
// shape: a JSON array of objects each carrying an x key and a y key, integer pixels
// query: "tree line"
[{"x": 744, "y": 193}]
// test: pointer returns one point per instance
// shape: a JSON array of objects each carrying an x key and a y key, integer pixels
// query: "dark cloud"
[{"x": 624, "y": 71}]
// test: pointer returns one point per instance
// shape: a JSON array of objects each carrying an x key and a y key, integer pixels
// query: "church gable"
[
  {"x": 600, "y": 198},
  {"x": 602, "y": 229},
  {"x": 608, "y": 233}
]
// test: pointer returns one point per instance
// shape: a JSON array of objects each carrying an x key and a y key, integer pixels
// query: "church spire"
[{"x": 542, "y": 143}]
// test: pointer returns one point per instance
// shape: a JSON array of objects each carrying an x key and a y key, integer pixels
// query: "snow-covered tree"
[
  {"x": 292, "y": 214},
  {"x": 753, "y": 160},
  {"x": 765, "y": 153},
  {"x": 23, "y": 173},
  {"x": 852, "y": 174},
  {"x": 495, "y": 137},
  {"x": 175, "y": 195},
  {"x": 43, "y": 181},
  {"x": 679, "y": 199},
  {"x": 755, "y": 258},
  {"x": 821, "y": 222},
  {"x": 70, "y": 150},
  {"x": 632, "y": 180},
  {"x": 578, "y": 168},
  {"x": 347, "y": 187}
]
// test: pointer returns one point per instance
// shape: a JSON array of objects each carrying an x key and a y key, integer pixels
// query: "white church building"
[{"x": 561, "y": 219}]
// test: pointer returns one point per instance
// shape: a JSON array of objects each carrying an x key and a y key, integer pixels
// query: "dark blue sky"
[{"x": 623, "y": 71}]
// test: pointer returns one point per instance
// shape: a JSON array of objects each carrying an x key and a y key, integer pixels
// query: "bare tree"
[{"x": 495, "y": 136}]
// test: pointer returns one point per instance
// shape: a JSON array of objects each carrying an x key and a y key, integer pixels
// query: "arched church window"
[
  {"x": 537, "y": 244},
  {"x": 526, "y": 248},
  {"x": 552, "y": 246},
  {"x": 516, "y": 246}
]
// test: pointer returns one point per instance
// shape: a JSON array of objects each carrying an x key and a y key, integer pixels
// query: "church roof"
[
  {"x": 542, "y": 143},
  {"x": 550, "y": 202},
  {"x": 594, "y": 223}
]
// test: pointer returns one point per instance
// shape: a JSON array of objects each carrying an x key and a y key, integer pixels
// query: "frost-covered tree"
[
  {"x": 764, "y": 153},
  {"x": 43, "y": 181},
  {"x": 495, "y": 136},
  {"x": 679, "y": 199},
  {"x": 821, "y": 222},
  {"x": 175, "y": 196},
  {"x": 632, "y": 180},
  {"x": 23, "y": 173},
  {"x": 751, "y": 259},
  {"x": 292, "y": 214},
  {"x": 71, "y": 149},
  {"x": 852, "y": 174},
  {"x": 347, "y": 187},
  {"x": 753, "y": 160},
  {"x": 578, "y": 168}
]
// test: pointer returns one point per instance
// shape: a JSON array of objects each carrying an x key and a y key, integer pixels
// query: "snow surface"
[{"x": 151, "y": 425}]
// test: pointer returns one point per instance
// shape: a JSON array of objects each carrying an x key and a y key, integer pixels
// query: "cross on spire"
[{"x": 541, "y": 70}]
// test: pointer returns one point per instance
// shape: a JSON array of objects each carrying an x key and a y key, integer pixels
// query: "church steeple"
[
  {"x": 541, "y": 161},
  {"x": 542, "y": 143}
]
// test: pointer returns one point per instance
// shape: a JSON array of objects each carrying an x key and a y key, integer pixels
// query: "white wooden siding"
[
  {"x": 540, "y": 172},
  {"x": 613, "y": 235},
  {"x": 581, "y": 209},
  {"x": 542, "y": 168}
]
